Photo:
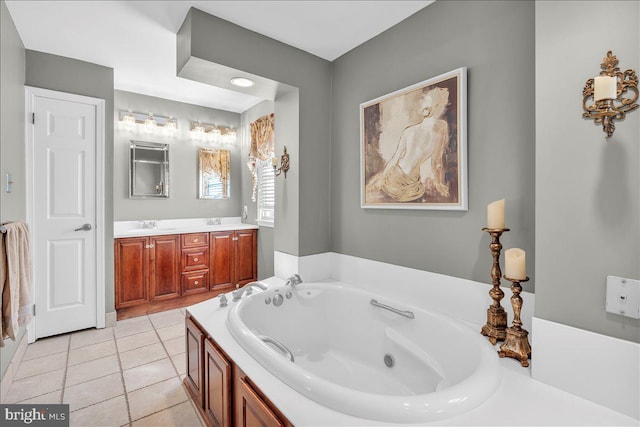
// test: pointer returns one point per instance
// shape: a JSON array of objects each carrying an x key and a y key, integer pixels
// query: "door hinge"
[
  {"x": 33, "y": 118},
  {"x": 34, "y": 310}
]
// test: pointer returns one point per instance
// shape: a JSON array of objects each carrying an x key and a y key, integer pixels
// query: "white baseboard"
[
  {"x": 110, "y": 319},
  {"x": 12, "y": 369},
  {"x": 596, "y": 367}
]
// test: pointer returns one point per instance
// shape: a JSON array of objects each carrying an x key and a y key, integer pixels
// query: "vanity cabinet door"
[
  {"x": 131, "y": 271},
  {"x": 217, "y": 386},
  {"x": 246, "y": 256},
  {"x": 250, "y": 410},
  {"x": 222, "y": 260},
  {"x": 164, "y": 275},
  {"x": 194, "y": 340}
]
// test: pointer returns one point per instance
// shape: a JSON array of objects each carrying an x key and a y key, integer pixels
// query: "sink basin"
[{"x": 151, "y": 230}]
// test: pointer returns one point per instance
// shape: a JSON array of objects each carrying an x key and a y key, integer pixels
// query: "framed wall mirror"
[
  {"x": 148, "y": 170},
  {"x": 214, "y": 173}
]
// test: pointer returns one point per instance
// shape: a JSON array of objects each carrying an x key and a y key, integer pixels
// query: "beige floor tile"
[
  {"x": 52, "y": 362},
  {"x": 91, "y": 352},
  {"x": 156, "y": 397},
  {"x": 138, "y": 340},
  {"x": 180, "y": 362},
  {"x": 46, "y": 346},
  {"x": 53, "y": 397},
  {"x": 142, "y": 355},
  {"x": 172, "y": 331},
  {"x": 165, "y": 313},
  {"x": 182, "y": 414},
  {"x": 142, "y": 376},
  {"x": 90, "y": 337},
  {"x": 175, "y": 345},
  {"x": 91, "y": 370},
  {"x": 35, "y": 386},
  {"x": 132, "y": 326},
  {"x": 168, "y": 318},
  {"x": 88, "y": 393},
  {"x": 111, "y": 412}
]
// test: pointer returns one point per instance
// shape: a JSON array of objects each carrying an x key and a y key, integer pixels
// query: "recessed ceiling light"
[{"x": 242, "y": 82}]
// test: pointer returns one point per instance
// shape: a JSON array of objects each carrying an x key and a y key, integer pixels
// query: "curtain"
[{"x": 262, "y": 138}]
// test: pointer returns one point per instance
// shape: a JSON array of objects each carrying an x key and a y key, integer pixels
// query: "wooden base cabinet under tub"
[
  {"x": 223, "y": 394},
  {"x": 156, "y": 273}
]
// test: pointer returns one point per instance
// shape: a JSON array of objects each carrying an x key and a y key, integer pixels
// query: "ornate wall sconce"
[
  {"x": 284, "y": 164},
  {"x": 611, "y": 95}
]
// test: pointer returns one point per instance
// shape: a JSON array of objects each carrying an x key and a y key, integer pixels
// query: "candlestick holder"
[
  {"x": 516, "y": 344},
  {"x": 496, "y": 326}
]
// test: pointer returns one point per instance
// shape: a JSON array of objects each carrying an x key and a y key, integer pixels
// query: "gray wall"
[
  {"x": 587, "y": 186},
  {"x": 62, "y": 74},
  {"x": 12, "y": 205},
  {"x": 303, "y": 224},
  {"x": 495, "y": 40},
  {"x": 265, "y": 234},
  {"x": 183, "y": 199}
]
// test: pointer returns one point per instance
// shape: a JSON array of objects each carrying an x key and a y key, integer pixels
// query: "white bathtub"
[{"x": 339, "y": 341}]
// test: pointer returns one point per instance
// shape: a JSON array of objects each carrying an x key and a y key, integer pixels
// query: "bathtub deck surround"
[
  {"x": 496, "y": 326},
  {"x": 545, "y": 405}
]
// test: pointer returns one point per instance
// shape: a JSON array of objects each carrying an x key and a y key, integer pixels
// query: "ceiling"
[{"x": 137, "y": 38}]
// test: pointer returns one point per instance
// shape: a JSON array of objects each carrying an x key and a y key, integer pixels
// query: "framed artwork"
[{"x": 414, "y": 146}]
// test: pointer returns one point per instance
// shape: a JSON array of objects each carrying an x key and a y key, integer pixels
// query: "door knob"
[{"x": 85, "y": 227}]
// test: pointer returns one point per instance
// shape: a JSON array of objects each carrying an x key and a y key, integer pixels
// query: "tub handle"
[
  {"x": 278, "y": 344},
  {"x": 404, "y": 313}
]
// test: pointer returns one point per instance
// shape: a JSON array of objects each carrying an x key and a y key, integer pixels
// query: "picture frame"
[{"x": 413, "y": 146}]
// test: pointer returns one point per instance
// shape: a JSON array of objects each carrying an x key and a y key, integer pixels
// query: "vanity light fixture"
[
  {"x": 212, "y": 133},
  {"x": 147, "y": 123},
  {"x": 284, "y": 164},
  {"x": 150, "y": 123},
  {"x": 242, "y": 82},
  {"x": 611, "y": 95}
]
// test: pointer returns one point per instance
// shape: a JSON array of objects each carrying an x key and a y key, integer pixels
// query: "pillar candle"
[
  {"x": 515, "y": 264},
  {"x": 495, "y": 214},
  {"x": 604, "y": 87}
]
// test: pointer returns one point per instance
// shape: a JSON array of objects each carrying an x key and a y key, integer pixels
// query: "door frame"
[{"x": 30, "y": 94}]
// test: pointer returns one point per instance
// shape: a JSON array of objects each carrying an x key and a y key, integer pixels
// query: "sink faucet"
[
  {"x": 237, "y": 294},
  {"x": 293, "y": 281}
]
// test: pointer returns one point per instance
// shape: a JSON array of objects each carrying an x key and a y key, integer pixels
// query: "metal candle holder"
[
  {"x": 496, "y": 326},
  {"x": 516, "y": 344}
]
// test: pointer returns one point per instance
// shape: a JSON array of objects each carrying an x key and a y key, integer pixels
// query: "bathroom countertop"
[
  {"x": 519, "y": 400},
  {"x": 123, "y": 229}
]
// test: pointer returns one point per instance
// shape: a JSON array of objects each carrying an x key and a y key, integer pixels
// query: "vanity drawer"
[
  {"x": 195, "y": 282},
  {"x": 193, "y": 240},
  {"x": 195, "y": 259}
]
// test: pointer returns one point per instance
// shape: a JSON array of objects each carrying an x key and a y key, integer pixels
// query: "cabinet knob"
[
  {"x": 149, "y": 246},
  {"x": 195, "y": 283},
  {"x": 195, "y": 240},
  {"x": 195, "y": 259}
]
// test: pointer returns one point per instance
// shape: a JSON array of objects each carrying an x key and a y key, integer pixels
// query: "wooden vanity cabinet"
[
  {"x": 164, "y": 260},
  {"x": 234, "y": 258},
  {"x": 155, "y": 273},
  {"x": 224, "y": 395}
]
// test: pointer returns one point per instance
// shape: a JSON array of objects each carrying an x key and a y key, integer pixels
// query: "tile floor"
[{"x": 127, "y": 375}]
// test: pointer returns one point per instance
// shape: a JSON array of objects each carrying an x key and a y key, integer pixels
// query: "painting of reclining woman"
[{"x": 414, "y": 146}]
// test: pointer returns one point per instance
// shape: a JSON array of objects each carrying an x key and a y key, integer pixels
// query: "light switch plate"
[{"x": 623, "y": 296}]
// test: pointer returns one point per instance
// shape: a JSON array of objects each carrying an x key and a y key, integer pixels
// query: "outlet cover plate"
[{"x": 623, "y": 296}]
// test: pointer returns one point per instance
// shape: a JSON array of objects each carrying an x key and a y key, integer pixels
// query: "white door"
[{"x": 65, "y": 143}]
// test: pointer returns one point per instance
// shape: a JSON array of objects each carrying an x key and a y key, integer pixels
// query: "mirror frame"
[
  {"x": 201, "y": 194},
  {"x": 133, "y": 145}
]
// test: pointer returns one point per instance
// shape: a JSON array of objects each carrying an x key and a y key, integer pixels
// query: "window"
[{"x": 266, "y": 193}]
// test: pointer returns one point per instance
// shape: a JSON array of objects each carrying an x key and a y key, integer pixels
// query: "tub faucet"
[
  {"x": 237, "y": 294},
  {"x": 293, "y": 281}
]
